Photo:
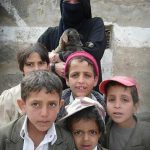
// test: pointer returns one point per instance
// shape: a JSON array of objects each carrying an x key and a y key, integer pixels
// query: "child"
[
  {"x": 124, "y": 130},
  {"x": 85, "y": 120},
  {"x": 41, "y": 99},
  {"x": 81, "y": 72},
  {"x": 35, "y": 57}
]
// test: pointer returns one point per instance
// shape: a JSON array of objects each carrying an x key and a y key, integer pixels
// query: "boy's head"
[
  {"x": 85, "y": 119},
  {"x": 41, "y": 99},
  {"x": 125, "y": 81},
  {"x": 122, "y": 99},
  {"x": 35, "y": 57},
  {"x": 82, "y": 72}
]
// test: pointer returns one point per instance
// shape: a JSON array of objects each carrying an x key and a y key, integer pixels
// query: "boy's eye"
[
  {"x": 125, "y": 100},
  {"x": 35, "y": 105},
  {"x": 42, "y": 63},
  {"x": 52, "y": 105},
  {"x": 87, "y": 75},
  {"x": 28, "y": 64},
  {"x": 110, "y": 99},
  {"x": 93, "y": 132},
  {"x": 78, "y": 133},
  {"x": 75, "y": 75}
]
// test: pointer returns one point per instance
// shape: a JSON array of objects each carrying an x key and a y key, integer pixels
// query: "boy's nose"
[
  {"x": 117, "y": 104},
  {"x": 36, "y": 67},
  {"x": 86, "y": 136},
  {"x": 81, "y": 78},
  {"x": 44, "y": 111}
]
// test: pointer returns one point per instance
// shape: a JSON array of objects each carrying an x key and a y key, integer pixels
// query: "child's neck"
[
  {"x": 128, "y": 124},
  {"x": 35, "y": 135}
]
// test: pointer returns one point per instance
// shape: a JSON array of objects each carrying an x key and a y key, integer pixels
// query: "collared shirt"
[
  {"x": 50, "y": 137},
  {"x": 72, "y": 98},
  {"x": 93, "y": 149}
]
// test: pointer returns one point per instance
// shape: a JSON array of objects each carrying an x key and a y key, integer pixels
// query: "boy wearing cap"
[
  {"x": 81, "y": 72},
  {"x": 85, "y": 120},
  {"x": 41, "y": 100},
  {"x": 124, "y": 130}
]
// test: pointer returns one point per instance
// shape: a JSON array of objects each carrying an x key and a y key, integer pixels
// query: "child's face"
[
  {"x": 86, "y": 134},
  {"x": 120, "y": 106},
  {"x": 34, "y": 62},
  {"x": 41, "y": 109},
  {"x": 81, "y": 78}
]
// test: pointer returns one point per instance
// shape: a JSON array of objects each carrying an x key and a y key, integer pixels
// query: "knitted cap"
[{"x": 83, "y": 54}]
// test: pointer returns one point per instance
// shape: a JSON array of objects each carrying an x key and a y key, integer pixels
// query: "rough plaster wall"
[{"x": 25, "y": 20}]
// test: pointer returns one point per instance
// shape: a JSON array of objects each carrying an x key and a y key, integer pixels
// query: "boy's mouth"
[
  {"x": 86, "y": 147},
  {"x": 117, "y": 114}
]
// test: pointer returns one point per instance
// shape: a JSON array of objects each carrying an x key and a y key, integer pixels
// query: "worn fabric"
[
  {"x": 139, "y": 138},
  {"x": 10, "y": 138},
  {"x": 66, "y": 96},
  {"x": 9, "y": 109},
  {"x": 92, "y": 31}
]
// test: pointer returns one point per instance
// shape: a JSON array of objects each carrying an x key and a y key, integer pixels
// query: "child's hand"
[
  {"x": 54, "y": 57},
  {"x": 59, "y": 69}
]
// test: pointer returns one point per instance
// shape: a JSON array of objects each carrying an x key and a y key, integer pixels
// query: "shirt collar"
[
  {"x": 72, "y": 98},
  {"x": 51, "y": 135}
]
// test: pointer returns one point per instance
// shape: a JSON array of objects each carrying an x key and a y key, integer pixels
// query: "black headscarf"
[{"x": 72, "y": 15}]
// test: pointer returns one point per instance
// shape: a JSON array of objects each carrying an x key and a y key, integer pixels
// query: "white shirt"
[
  {"x": 50, "y": 137},
  {"x": 72, "y": 98},
  {"x": 94, "y": 148}
]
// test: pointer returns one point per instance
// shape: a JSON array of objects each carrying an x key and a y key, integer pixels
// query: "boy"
[
  {"x": 85, "y": 120},
  {"x": 33, "y": 58},
  {"x": 81, "y": 72},
  {"x": 124, "y": 130},
  {"x": 41, "y": 101}
]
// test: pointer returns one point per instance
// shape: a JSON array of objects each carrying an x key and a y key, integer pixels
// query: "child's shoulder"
[
  {"x": 64, "y": 137},
  {"x": 61, "y": 132},
  {"x": 143, "y": 126},
  {"x": 11, "y": 131},
  {"x": 99, "y": 97}
]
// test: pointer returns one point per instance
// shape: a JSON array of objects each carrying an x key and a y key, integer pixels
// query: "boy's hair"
[
  {"x": 39, "y": 80},
  {"x": 89, "y": 113},
  {"x": 82, "y": 56},
  {"x": 133, "y": 90},
  {"x": 25, "y": 53}
]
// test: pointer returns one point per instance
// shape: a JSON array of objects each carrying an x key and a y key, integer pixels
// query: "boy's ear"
[
  {"x": 67, "y": 82},
  {"x": 21, "y": 105},
  {"x": 136, "y": 107},
  {"x": 61, "y": 103},
  {"x": 95, "y": 81}
]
